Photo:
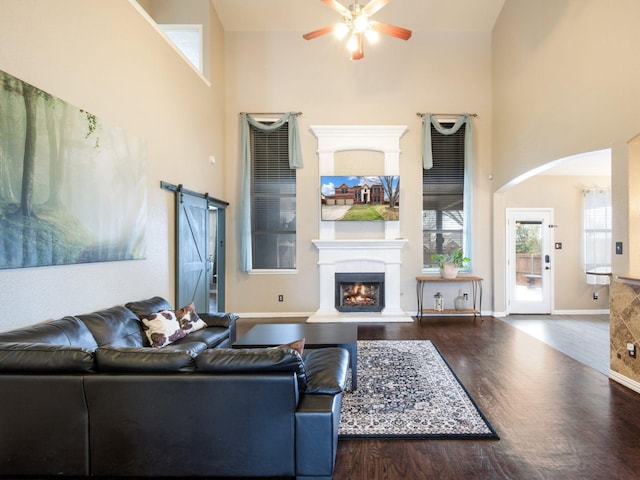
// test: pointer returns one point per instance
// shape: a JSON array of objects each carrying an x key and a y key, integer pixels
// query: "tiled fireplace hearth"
[{"x": 361, "y": 256}]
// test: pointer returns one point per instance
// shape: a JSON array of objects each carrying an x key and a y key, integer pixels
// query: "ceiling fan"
[{"x": 357, "y": 24}]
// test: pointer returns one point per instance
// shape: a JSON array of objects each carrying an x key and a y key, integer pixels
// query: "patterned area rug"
[{"x": 406, "y": 389}]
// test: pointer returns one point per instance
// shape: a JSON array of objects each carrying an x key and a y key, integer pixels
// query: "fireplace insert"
[{"x": 359, "y": 292}]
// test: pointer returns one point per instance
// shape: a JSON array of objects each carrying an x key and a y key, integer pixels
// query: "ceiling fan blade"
[
  {"x": 373, "y": 6},
  {"x": 387, "y": 29},
  {"x": 337, "y": 6},
  {"x": 358, "y": 53},
  {"x": 317, "y": 33}
]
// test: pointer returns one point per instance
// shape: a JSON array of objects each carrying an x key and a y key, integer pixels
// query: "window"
[
  {"x": 443, "y": 195},
  {"x": 273, "y": 200},
  {"x": 597, "y": 230},
  {"x": 188, "y": 39}
]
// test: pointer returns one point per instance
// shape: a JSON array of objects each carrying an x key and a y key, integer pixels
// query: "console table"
[{"x": 476, "y": 294}]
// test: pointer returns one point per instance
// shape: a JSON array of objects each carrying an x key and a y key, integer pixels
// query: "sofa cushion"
[
  {"x": 68, "y": 331},
  {"x": 189, "y": 319},
  {"x": 42, "y": 357},
  {"x": 148, "y": 306},
  {"x": 212, "y": 336},
  {"x": 148, "y": 360},
  {"x": 250, "y": 360},
  {"x": 219, "y": 319},
  {"x": 326, "y": 370},
  {"x": 297, "y": 345},
  {"x": 167, "y": 326},
  {"x": 117, "y": 326},
  {"x": 162, "y": 328}
]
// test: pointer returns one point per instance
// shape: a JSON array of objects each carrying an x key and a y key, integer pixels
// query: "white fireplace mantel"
[
  {"x": 340, "y": 138},
  {"x": 359, "y": 244},
  {"x": 363, "y": 256},
  {"x": 359, "y": 255}
]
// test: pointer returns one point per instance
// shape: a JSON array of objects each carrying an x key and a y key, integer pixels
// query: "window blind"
[
  {"x": 273, "y": 200},
  {"x": 597, "y": 229},
  {"x": 443, "y": 195}
]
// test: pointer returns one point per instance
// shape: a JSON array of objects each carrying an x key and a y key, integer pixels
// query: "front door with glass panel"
[{"x": 529, "y": 269}]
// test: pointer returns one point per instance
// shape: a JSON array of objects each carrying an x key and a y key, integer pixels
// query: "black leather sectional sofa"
[{"x": 87, "y": 396}]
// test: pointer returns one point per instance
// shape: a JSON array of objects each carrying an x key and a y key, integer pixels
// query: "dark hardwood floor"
[{"x": 556, "y": 417}]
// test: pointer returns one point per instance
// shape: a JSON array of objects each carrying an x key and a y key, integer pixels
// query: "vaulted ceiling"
[
  {"x": 417, "y": 15},
  {"x": 306, "y": 15}
]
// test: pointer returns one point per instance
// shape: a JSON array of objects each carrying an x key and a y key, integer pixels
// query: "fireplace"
[
  {"x": 368, "y": 252},
  {"x": 359, "y": 292}
]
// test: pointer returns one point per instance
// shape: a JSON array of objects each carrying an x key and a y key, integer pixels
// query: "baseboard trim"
[
  {"x": 604, "y": 311},
  {"x": 369, "y": 317},
  {"x": 622, "y": 380},
  {"x": 272, "y": 314}
]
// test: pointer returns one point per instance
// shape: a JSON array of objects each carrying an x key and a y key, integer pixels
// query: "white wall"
[
  {"x": 107, "y": 58},
  {"x": 277, "y": 72}
]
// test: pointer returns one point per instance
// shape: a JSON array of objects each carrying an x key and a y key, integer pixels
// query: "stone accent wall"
[{"x": 625, "y": 328}]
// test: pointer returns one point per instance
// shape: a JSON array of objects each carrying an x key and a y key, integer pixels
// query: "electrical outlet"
[
  {"x": 631, "y": 348},
  {"x": 281, "y": 298}
]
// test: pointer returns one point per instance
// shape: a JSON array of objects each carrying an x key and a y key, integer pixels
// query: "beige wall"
[
  {"x": 106, "y": 57},
  {"x": 564, "y": 82},
  {"x": 277, "y": 72},
  {"x": 545, "y": 86},
  {"x": 564, "y": 194}
]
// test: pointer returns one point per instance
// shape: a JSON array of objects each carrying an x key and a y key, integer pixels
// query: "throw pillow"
[
  {"x": 189, "y": 319},
  {"x": 297, "y": 345},
  {"x": 162, "y": 328}
]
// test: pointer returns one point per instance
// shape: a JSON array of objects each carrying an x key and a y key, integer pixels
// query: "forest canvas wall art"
[{"x": 72, "y": 188}]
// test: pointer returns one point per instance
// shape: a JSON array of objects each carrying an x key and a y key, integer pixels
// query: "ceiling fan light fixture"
[
  {"x": 361, "y": 23},
  {"x": 372, "y": 36},
  {"x": 357, "y": 24},
  {"x": 341, "y": 30},
  {"x": 352, "y": 44}
]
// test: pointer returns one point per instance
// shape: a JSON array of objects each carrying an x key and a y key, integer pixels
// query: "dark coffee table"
[{"x": 316, "y": 335}]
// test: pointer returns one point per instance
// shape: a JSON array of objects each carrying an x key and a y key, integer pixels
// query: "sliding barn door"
[{"x": 192, "y": 256}]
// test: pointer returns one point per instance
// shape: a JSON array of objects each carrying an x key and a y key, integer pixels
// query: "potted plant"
[{"x": 450, "y": 263}]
